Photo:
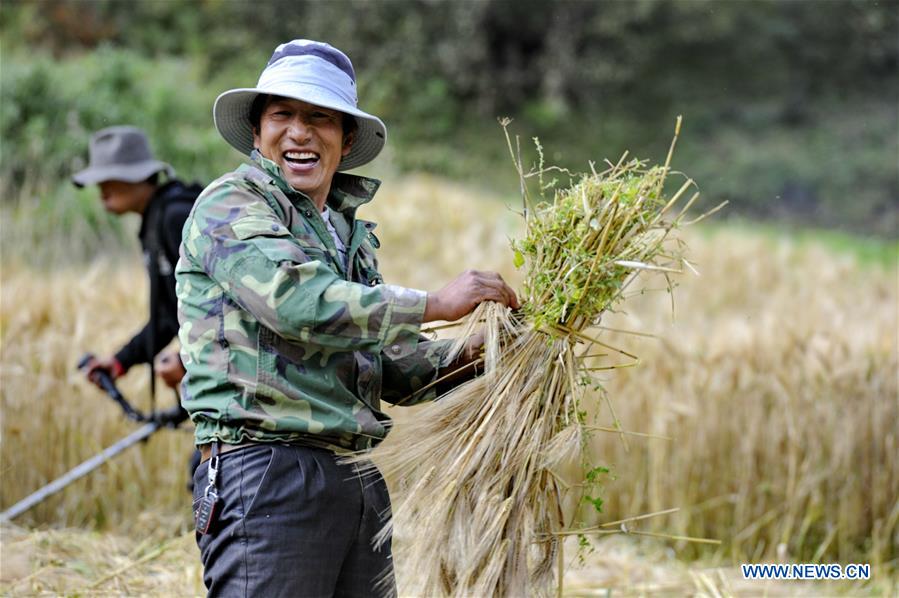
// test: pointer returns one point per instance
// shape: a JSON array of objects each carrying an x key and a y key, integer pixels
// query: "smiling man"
[{"x": 291, "y": 339}]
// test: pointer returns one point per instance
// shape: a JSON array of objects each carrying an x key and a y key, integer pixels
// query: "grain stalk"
[{"x": 482, "y": 471}]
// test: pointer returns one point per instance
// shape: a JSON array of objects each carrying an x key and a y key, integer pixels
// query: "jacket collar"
[{"x": 348, "y": 191}]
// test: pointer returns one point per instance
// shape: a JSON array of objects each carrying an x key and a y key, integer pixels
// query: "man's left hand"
[
  {"x": 169, "y": 367},
  {"x": 472, "y": 350}
]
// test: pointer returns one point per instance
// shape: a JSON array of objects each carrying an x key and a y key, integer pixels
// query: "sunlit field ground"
[{"x": 774, "y": 385}]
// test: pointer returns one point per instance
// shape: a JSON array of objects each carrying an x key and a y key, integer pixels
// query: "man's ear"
[
  {"x": 348, "y": 140},
  {"x": 255, "y": 137}
]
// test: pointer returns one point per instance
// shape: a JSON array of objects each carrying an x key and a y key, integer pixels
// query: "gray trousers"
[{"x": 292, "y": 522}]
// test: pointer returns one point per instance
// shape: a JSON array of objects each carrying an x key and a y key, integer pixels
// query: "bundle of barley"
[{"x": 480, "y": 488}]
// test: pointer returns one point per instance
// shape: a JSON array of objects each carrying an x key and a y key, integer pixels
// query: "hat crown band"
[
  {"x": 293, "y": 72},
  {"x": 119, "y": 147},
  {"x": 119, "y": 153}
]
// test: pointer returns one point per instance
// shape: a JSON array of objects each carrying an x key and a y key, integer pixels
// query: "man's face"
[
  {"x": 306, "y": 141},
  {"x": 120, "y": 197}
]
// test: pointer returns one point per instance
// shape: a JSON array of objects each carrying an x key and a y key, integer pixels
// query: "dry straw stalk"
[{"x": 482, "y": 471}]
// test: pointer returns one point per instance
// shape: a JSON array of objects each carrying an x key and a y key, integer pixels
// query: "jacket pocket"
[
  {"x": 248, "y": 228},
  {"x": 275, "y": 241}
]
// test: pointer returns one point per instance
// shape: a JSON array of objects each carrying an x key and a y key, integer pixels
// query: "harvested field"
[
  {"x": 776, "y": 382},
  {"x": 160, "y": 560}
]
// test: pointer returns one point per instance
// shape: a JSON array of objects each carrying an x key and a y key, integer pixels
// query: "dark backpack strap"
[
  {"x": 172, "y": 192},
  {"x": 153, "y": 221}
]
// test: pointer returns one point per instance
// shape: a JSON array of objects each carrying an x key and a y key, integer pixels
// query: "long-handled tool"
[{"x": 153, "y": 422}]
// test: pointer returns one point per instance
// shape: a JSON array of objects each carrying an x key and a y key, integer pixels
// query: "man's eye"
[{"x": 320, "y": 115}]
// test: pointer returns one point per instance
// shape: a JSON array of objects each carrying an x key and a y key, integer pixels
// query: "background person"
[
  {"x": 129, "y": 179},
  {"x": 291, "y": 339}
]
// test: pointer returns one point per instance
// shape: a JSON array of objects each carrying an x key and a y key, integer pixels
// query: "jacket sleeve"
[
  {"x": 135, "y": 351},
  {"x": 238, "y": 240},
  {"x": 404, "y": 378}
]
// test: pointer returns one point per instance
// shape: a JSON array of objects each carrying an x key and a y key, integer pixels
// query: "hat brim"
[
  {"x": 129, "y": 173},
  {"x": 231, "y": 114}
]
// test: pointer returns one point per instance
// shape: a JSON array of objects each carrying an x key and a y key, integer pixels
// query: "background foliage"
[{"x": 790, "y": 107}]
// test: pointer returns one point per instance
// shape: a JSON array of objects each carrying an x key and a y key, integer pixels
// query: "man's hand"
[
  {"x": 461, "y": 296},
  {"x": 109, "y": 364},
  {"x": 462, "y": 369},
  {"x": 472, "y": 350},
  {"x": 169, "y": 367}
]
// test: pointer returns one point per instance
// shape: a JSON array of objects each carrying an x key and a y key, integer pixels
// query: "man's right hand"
[
  {"x": 461, "y": 296},
  {"x": 109, "y": 364},
  {"x": 169, "y": 367}
]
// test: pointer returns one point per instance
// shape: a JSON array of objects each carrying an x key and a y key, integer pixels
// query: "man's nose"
[{"x": 298, "y": 129}]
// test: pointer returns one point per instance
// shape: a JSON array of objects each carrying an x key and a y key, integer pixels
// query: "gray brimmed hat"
[
  {"x": 313, "y": 72},
  {"x": 119, "y": 153}
]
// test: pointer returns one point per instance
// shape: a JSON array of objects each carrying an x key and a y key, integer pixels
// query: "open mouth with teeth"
[{"x": 301, "y": 160}]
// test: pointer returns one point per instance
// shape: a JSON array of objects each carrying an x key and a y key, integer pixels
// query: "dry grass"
[
  {"x": 780, "y": 391},
  {"x": 777, "y": 381},
  {"x": 53, "y": 419},
  {"x": 160, "y": 559}
]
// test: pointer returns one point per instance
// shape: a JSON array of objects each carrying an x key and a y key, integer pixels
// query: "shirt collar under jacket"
[{"x": 348, "y": 191}]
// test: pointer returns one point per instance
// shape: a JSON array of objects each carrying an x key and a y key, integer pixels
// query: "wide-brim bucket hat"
[
  {"x": 313, "y": 72},
  {"x": 120, "y": 153}
]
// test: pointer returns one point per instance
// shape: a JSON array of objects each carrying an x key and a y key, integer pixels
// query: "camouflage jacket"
[{"x": 280, "y": 341}]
